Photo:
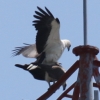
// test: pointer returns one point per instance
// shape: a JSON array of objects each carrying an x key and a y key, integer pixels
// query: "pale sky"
[{"x": 16, "y": 28}]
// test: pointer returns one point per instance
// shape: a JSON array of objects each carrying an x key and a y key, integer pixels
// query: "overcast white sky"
[{"x": 16, "y": 28}]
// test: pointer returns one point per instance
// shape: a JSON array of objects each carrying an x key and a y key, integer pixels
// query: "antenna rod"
[{"x": 85, "y": 21}]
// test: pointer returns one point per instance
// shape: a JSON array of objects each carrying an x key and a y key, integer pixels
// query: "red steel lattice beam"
[
  {"x": 65, "y": 93},
  {"x": 54, "y": 87}
]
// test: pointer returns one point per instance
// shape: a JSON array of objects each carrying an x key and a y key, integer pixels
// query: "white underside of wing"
[
  {"x": 30, "y": 52},
  {"x": 54, "y": 34},
  {"x": 54, "y": 47},
  {"x": 53, "y": 52}
]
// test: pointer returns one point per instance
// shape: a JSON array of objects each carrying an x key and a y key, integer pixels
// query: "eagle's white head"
[{"x": 66, "y": 43}]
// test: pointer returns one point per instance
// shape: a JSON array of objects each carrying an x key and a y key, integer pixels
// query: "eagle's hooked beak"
[{"x": 69, "y": 47}]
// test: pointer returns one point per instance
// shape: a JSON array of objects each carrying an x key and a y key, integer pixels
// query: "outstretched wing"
[
  {"x": 29, "y": 51},
  {"x": 47, "y": 29}
]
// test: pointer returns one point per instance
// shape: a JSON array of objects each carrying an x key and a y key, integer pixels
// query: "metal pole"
[
  {"x": 85, "y": 76},
  {"x": 85, "y": 21},
  {"x": 96, "y": 95}
]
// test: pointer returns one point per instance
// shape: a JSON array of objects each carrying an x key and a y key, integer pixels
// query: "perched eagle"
[
  {"x": 45, "y": 72},
  {"x": 47, "y": 39}
]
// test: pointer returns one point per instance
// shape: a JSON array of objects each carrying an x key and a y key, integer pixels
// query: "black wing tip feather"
[
  {"x": 22, "y": 66},
  {"x": 47, "y": 12},
  {"x": 42, "y": 13},
  {"x": 18, "y": 50},
  {"x": 42, "y": 18}
]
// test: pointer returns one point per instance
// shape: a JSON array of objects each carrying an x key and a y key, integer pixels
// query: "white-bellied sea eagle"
[{"x": 47, "y": 39}]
